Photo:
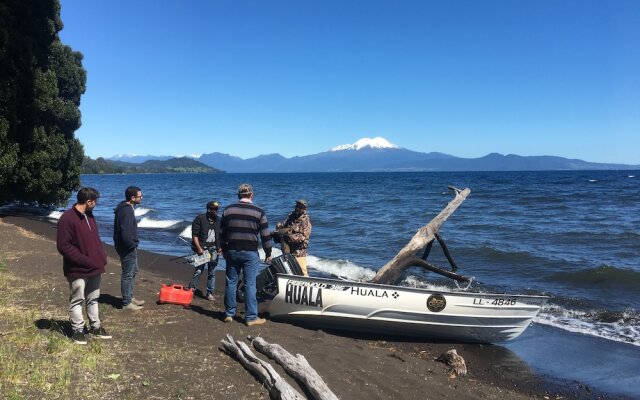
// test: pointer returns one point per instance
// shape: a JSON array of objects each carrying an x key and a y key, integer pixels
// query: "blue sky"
[{"x": 465, "y": 78}]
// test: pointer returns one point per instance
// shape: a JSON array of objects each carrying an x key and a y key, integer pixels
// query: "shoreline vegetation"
[
  {"x": 168, "y": 351},
  {"x": 174, "y": 165}
]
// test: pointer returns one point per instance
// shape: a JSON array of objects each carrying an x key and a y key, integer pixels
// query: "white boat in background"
[{"x": 397, "y": 310}]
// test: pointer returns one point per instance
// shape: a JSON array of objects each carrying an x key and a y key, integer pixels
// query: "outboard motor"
[
  {"x": 283, "y": 264},
  {"x": 267, "y": 281}
]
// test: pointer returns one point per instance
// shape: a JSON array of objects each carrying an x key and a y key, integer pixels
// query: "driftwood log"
[
  {"x": 297, "y": 366},
  {"x": 391, "y": 272},
  {"x": 278, "y": 387}
]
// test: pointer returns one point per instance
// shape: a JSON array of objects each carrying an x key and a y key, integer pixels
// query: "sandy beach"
[{"x": 168, "y": 351}]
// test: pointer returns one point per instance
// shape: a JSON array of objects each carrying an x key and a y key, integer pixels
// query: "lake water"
[{"x": 573, "y": 236}]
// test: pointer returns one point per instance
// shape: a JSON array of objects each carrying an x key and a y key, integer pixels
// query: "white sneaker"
[
  {"x": 138, "y": 302},
  {"x": 258, "y": 321}
]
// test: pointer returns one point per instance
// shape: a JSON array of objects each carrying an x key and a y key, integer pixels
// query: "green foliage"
[
  {"x": 8, "y": 153},
  {"x": 173, "y": 165},
  {"x": 56, "y": 344},
  {"x": 100, "y": 166},
  {"x": 41, "y": 82}
]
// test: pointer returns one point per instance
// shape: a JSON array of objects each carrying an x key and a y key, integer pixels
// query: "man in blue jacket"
[
  {"x": 125, "y": 239},
  {"x": 83, "y": 261}
]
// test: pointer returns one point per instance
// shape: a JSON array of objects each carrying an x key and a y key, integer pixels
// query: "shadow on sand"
[
  {"x": 115, "y": 302},
  {"x": 219, "y": 315},
  {"x": 54, "y": 325}
]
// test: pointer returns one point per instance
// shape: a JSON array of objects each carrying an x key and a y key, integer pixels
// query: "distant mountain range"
[
  {"x": 377, "y": 154},
  {"x": 171, "y": 165}
]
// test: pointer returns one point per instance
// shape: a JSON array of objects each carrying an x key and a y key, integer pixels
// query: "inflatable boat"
[{"x": 340, "y": 304}]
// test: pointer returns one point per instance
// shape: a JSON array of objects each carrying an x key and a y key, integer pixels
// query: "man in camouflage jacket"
[{"x": 296, "y": 231}]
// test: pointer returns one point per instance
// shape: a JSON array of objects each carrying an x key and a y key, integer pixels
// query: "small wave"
[
  {"x": 343, "y": 268},
  {"x": 602, "y": 276},
  {"x": 416, "y": 282},
  {"x": 140, "y": 211},
  {"x": 54, "y": 215},
  {"x": 155, "y": 224},
  {"x": 499, "y": 256},
  {"x": 352, "y": 271},
  {"x": 585, "y": 236},
  {"x": 186, "y": 233},
  {"x": 632, "y": 176},
  {"x": 608, "y": 316},
  {"x": 593, "y": 180},
  {"x": 616, "y": 326}
]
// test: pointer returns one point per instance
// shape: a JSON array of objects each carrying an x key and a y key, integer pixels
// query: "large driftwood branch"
[
  {"x": 296, "y": 366},
  {"x": 278, "y": 387},
  {"x": 390, "y": 273},
  {"x": 419, "y": 262}
]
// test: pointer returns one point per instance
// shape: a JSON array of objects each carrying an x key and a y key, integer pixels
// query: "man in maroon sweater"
[{"x": 83, "y": 263}]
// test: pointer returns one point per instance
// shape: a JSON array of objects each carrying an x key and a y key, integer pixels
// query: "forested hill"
[{"x": 173, "y": 165}]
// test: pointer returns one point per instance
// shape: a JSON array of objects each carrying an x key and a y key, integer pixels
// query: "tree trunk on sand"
[
  {"x": 296, "y": 366},
  {"x": 390, "y": 273},
  {"x": 278, "y": 387}
]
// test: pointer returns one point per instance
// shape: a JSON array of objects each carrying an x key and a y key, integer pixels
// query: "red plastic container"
[{"x": 175, "y": 294}]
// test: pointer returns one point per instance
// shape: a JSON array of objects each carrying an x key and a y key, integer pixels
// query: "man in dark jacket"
[
  {"x": 83, "y": 261},
  {"x": 125, "y": 239},
  {"x": 205, "y": 236}
]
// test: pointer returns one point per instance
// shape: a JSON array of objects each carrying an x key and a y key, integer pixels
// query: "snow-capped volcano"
[
  {"x": 375, "y": 143},
  {"x": 136, "y": 159},
  {"x": 195, "y": 156}
]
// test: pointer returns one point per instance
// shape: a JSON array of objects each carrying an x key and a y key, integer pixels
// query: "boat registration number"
[{"x": 494, "y": 302}]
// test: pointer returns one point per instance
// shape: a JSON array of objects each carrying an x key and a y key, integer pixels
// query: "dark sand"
[{"x": 353, "y": 366}]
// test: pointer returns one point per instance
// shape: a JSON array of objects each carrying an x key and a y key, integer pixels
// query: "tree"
[{"x": 41, "y": 82}]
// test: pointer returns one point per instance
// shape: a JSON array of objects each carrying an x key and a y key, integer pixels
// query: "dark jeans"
[
  {"x": 248, "y": 262},
  {"x": 129, "y": 271},
  {"x": 211, "y": 277}
]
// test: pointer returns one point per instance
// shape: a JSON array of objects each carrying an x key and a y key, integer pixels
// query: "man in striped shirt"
[{"x": 240, "y": 226}]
